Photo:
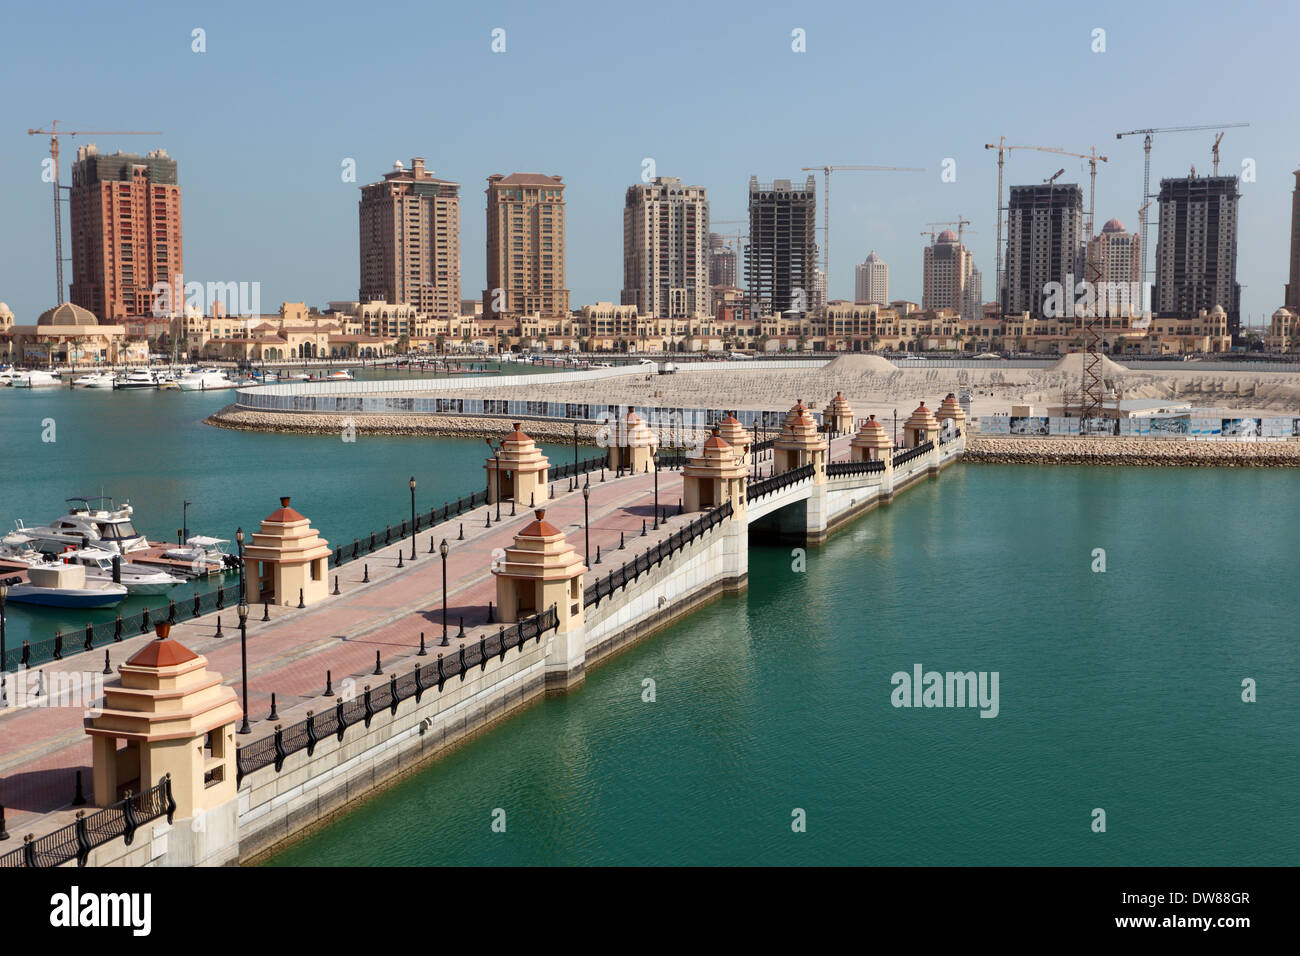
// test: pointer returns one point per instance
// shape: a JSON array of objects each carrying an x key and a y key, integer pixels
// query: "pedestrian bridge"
[{"x": 803, "y": 506}]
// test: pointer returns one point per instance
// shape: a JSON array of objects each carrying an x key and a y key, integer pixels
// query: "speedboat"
[
  {"x": 65, "y": 585},
  {"x": 95, "y": 380},
  {"x": 205, "y": 554},
  {"x": 137, "y": 378},
  {"x": 204, "y": 380},
  {"x": 342, "y": 375},
  {"x": 35, "y": 379},
  {"x": 138, "y": 578},
  {"x": 89, "y": 522}
]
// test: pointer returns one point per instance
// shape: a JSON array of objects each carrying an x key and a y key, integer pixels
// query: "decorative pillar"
[
  {"x": 738, "y": 437},
  {"x": 713, "y": 476},
  {"x": 800, "y": 443},
  {"x": 838, "y": 415},
  {"x": 920, "y": 428},
  {"x": 631, "y": 444},
  {"x": 289, "y": 556},
  {"x": 524, "y": 470},
  {"x": 540, "y": 570},
  {"x": 175, "y": 717}
]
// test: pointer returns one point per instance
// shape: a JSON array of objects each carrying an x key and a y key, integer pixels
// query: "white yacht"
[
  {"x": 137, "y": 378},
  {"x": 138, "y": 578},
  {"x": 206, "y": 555},
  {"x": 95, "y": 380},
  {"x": 65, "y": 585},
  {"x": 89, "y": 522},
  {"x": 204, "y": 380},
  {"x": 35, "y": 379}
]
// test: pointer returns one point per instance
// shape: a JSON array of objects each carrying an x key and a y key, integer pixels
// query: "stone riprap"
[
  {"x": 1132, "y": 451},
  {"x": 450, "y": 426}
]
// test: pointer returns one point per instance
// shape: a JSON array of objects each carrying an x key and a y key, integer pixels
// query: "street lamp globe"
[{"x": 444, "y": 548}]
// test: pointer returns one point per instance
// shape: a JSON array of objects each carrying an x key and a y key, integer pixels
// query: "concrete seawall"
[
  {"x": 446, "y": 426},
  {"x": 1133, "y": 451}
]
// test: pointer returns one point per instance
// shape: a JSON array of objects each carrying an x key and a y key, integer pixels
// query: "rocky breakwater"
[
  {"x": 448, "y": 426},
  {"x": 1133, "y": 451}
]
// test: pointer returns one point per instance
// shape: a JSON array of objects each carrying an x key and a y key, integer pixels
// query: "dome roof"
[
  {"x": 67, "y": 314},
  {"x": 5, "y": 310},
  {"x": 873, "y": 257},
  {"x": 1113, "y": 226},
  {"x": 947, "y": 236}
]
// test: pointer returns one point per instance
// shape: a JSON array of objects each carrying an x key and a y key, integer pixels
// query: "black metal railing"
[
  {"x": 903, "y": 457},
  {"x": 569, "y": 469},
  {"x": 76, "y": 840},
  {"x": 75, "y": 641},
  {"x": 944, "y": 438},
  {"x": 870, "y": 466},
  {"x": 643, "y": 562},
  {"x": 762, "y": 445},
  {"x": 766, "y": 486},
  {"x": 386, "y": 695}
]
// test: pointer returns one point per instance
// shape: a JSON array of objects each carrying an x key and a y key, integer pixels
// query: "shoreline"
[
  {"x": 555, "y": 431},
  {"x": 1166, "y": 453}
]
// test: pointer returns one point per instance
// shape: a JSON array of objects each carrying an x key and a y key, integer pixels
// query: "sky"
[{"x": 264, "y": 119}]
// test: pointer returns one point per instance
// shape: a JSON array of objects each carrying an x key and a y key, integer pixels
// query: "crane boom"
[
  {"x": 826, "y": 170},
  {"x": 54, "y": 133}
]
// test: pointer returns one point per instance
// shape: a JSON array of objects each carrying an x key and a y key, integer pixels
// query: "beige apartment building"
[
  {"x": 666, "y": 248},
  {"x": 525, "y": 246},
  {"x": 410, "y": 241}
]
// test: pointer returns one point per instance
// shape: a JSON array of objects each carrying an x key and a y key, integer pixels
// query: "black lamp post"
[
  {"x": 4, "y": 683},
  {"x": 654, "y": 459},
  {"x": 586, "y": 519},
  {"x": 412, "y": 517},
  {"x": 243, "y": 657},
  {"x": 496, "y": 473},
  {"x": 442, "y": 550},
  {"x": 575, "y": 448},
  {"x": 896, "y": 428},
  {"x": 185, "y": 520}
]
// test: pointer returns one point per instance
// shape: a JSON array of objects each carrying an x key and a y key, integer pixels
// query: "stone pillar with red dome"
[
  {"x": 541, "y": 570},
  {"x": 800, "y": 443},
  {"x": 631, "y": 444},
  {"x": 837, "y": 417}
]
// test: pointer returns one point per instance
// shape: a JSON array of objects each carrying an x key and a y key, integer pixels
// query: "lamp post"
[
  {"x": 654, "y": 460},
  {"x": 442, "y": 550},
  {"x": 185, "y": 519},
  {"x": 412, "y": 517},
  {"x": 239, "y": 542},
  {"x": 896, "y": 428},
  {"x": 496, "y": 473},
  {"x": 586, "y": 518},
  {"x": 243, "y": 657},
  {"x": 575, "y": 449},
  {"x": 4, "y": 681}
]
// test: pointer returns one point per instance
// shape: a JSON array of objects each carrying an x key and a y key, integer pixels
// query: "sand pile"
[
  {"x": 1076, "y": 362},
  {"x": 859, "y": 363}
]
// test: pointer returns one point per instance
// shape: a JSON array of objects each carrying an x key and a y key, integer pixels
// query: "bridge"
[{"x": 357, "y": 674}]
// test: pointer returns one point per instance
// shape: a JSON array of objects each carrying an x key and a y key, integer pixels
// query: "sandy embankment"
[{"x": 322, "y": 423}]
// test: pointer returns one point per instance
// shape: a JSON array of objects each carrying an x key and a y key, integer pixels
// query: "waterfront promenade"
[{"x": 42, "y": 748}]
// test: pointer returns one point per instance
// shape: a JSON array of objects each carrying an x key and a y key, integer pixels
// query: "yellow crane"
[
  {"x": 826, "y": 206},
  {"x": 54, "y": 133},
  {"x": 1214, "y": 151}
]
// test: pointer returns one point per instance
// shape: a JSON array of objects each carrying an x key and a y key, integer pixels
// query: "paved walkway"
[{"x": 42, "y": 748}]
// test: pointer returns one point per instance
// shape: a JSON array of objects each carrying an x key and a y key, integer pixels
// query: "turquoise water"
[
  {"x": 152, "y": 449},
  {"x": 1118, "y": 690}
]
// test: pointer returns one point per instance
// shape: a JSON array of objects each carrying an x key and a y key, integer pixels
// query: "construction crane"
[
  {"x": 826, "y": 211},
  {"x": 1146, "y": 167},
  {"x": 960, "y": 222},
  {"x": 1002, "y": 148},
  {"x": 54, "y": 133},
  {"x": 1214, "y": 151},
  {"x": 1051, "y": 181}
]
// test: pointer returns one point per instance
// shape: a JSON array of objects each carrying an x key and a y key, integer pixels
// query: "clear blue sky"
[{"x": 261, "y": 122}]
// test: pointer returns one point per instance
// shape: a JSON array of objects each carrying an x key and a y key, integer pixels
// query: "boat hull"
[{"x": 67, "y": 597}]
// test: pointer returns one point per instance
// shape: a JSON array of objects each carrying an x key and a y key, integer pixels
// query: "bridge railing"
[
  {"x": 903, "y": 457},
  {"x": 951, "y": 436},
  {"x": 76, "y": 840},
  {"x": 842, "y": 468},
  {"x": 305, "y": 734},
  {"x": 766, "y": 486},
  {"x": 643, "y": 562}
]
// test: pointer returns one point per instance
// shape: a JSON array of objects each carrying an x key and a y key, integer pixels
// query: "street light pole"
[
  {"x": 413, "y": 517},
  {"x": 243, "y": 630},
  {"x": 575, "y": 449},
  {"x": 4, "y": 669},
  {"x": 442, "y": 550},
  {"x": 586, "y": 521},
  {"x": 654, "y": 458}
]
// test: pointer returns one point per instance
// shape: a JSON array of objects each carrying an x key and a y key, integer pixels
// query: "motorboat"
[
  {"x": 300, "y": 377},
  {"x": 342, "y": 375},
  {"x": 204, "y": 380},
  {"x": 89, "y": 522},
  {"x": 138, "y": 578},
  {"x": 95, "y": 380},
  {"x": 35, "y": 379},
  {"x": 65, "y": 585},
  {"x": 137, "y": 378},
  {"x": 205, "y": 554}
]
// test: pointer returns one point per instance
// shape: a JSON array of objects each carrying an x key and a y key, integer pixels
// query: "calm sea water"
[
  {"x": 1118, "y": 690},
  {"x": 152, "y": 449}
]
